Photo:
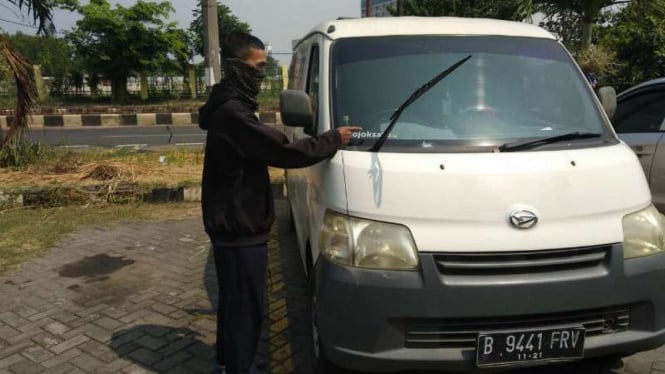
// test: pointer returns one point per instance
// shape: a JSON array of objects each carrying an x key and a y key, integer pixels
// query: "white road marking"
[
  {"x": 187, "y": 144},
  {"x": 74, "y": 146},
  {"x": 137, "y": 146}
]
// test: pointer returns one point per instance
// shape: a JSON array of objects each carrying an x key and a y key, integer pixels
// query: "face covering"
[{"x": 243, "y": 79}]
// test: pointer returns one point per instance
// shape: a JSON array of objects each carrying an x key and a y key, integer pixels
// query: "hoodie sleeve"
[{"x": 258, "y": 142}]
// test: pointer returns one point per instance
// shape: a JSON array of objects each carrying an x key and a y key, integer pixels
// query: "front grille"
[
  {"x": 462, "y": 333},
  {"x": 504, "y": 263}
]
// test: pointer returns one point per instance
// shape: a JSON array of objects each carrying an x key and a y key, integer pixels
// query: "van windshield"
[{"x": 512, "y": 89}]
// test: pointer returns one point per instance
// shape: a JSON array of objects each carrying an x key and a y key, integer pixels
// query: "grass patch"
[
  {"x": 268, "y": 101},
  {"x": 67, "y": 168},
  {"x": 28, "y": 233}
]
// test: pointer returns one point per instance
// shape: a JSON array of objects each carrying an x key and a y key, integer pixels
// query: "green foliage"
[
  {"x": 272, "y": 66},
  {"x": 5, "y": 71},
  {"x": 564, "y": 22},
  {"x": 580, "y": 16},
  {"x": 122, "y": 41},
  {"x": 228, "y": 23},
  {"x": 181, "y": 48},
  {"x": 600, "y": 61},
  {"x": 54, "y": 55},
  {"x": 622, "y": 42},
  {"x": 42, "y": 11},
  {"x": 638, "y": 39},
  {"x": 501, "y": 9},
  {"x": 21, "y": 153}
]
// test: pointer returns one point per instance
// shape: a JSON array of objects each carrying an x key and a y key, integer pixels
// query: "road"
[{"x": 120, "y": 136}]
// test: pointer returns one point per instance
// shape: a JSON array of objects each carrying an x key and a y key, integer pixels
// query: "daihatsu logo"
[{"x": 523, "y": 219}]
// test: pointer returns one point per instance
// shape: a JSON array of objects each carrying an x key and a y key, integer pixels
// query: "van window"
[
  {"x": 511, "y": 89},
  {"x": 297, "y": 73},
  {"x": 641, "y": 113},
  {"x": 313, "y": 83}
]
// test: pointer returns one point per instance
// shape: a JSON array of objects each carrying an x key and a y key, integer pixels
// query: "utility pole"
[
  {"x": 213, "y": 70},
  {"x": 400, "y": 8},
  {"x": 368, "y": 8}
]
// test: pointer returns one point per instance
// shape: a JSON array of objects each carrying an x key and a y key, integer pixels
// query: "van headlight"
[
  {"x": 643, "y": 233},
  {"x": 367, "y": 244}
]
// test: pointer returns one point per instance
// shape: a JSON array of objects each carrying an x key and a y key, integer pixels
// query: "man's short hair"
[{"x": 238, "y": 45}]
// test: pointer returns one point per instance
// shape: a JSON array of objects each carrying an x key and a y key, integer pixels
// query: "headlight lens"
[
  {"x": 644, "y": 233},
  {"x": 367, "y": 244}
]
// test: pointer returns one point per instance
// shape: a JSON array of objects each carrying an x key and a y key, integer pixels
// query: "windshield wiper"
[
  {"x": 530, "y": 144},
  {"x": 414, "y": 96}
]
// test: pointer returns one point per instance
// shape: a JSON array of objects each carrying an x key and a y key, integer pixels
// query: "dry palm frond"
[
  {"x": 26, "y": 91},
  {"x": 42, "y": 15},
  {"x": 41, "y": 11},
  {"x": 105, "y": 171},
  {"x": 113, "y": 174},
  {"x": 598, "y": 60}
]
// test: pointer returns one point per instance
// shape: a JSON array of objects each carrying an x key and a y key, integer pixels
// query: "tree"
[
  {"x": 19, "y": 69},
  {"x": 181, "y": 44},
  {"x": 563, "y": 22},
  {"x": 42, "y": 11},
  {"x": 273, "y": 71},
  {"x": 589, "y": 11},
  {"x": 120, "y": 42},
  {"x": 501, "y": 9},
  {"x": 228, "y": 23},
  {"x": 51, "y": 53},
  {"x": 638, "y": 40}
]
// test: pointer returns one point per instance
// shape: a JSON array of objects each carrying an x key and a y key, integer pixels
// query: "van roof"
[{"x": 382, "y": 26}]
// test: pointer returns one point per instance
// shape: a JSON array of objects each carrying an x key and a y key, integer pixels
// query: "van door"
[
  {"x": 306, "y": 77},
  {"x": 657, "y": 182},
  {"x": 639, "y": 122}
]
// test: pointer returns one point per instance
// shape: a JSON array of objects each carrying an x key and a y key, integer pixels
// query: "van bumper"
[{"x": 366, "y": 317}]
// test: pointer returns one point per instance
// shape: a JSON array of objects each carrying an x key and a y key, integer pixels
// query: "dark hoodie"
[{"x": 237, "y": 201}]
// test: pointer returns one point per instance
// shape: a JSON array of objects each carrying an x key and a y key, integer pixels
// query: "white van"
[{"x": 492, "y": 220}]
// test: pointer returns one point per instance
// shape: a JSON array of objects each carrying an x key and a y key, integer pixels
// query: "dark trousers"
[{"x": 241, "y": 275}]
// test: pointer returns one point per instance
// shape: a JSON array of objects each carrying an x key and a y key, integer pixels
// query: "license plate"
[{"x": 506, "y": 348}]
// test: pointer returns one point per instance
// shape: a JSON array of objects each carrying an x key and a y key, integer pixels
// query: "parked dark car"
[{"x": 640, "y": 122}]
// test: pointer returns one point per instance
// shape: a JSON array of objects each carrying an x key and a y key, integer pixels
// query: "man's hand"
[{"x": 346, "y": 133}]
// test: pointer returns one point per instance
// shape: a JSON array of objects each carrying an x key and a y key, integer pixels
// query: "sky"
[{"x": 276, "y": 22}]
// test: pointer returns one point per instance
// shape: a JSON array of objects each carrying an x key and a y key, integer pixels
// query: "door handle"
[
  {"x": 644, "y": 154},
  {"x": 640, "y": 152}
]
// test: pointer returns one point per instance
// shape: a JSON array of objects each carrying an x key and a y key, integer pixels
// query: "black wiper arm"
[
  {"x": 529, "y": 144},
  {"x": 414, "y": 96}
]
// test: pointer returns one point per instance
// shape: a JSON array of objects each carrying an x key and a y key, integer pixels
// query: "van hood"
[{"x": 463, "y": 202}]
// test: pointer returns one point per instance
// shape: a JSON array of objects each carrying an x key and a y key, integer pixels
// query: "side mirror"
[
  {"x": 296, "y": 108},
  {"x": 608, "y": 98}
]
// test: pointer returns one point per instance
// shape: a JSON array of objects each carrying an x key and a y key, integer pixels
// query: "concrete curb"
[
  {"x": 127, "y": 192},
  {"x": 120, "y": 120}
]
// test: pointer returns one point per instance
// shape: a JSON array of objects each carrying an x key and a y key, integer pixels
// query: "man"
[{"x": 238, "y": 207}]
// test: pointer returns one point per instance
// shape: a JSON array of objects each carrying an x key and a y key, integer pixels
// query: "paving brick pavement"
[
  {"x": 133, "y": 298},
  {"x": 138, "y": 298}
]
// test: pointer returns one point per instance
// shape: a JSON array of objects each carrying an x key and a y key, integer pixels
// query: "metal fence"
[{"x": 159, "y": 87}]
